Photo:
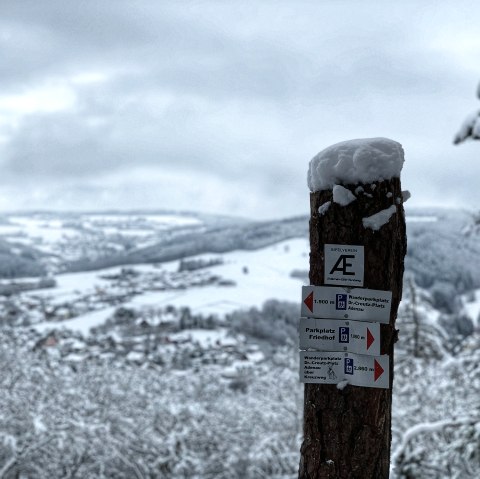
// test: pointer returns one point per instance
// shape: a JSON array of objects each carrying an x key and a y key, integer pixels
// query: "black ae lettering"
[{"x": 343, "y": 259}]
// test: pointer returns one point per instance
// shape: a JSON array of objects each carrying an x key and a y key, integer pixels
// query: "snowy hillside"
[
  {"x": 41, "y": 243},
  {"x": 236, "y": 280},
  {"x": 158, "y": 368}
]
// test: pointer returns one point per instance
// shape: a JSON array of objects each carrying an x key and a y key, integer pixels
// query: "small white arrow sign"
[
  {"x": 340, "y": 335},
  {"x": 358, "y": 304},
  {"x": 322, "y": 367}
]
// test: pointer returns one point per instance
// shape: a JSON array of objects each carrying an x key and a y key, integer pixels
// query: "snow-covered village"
[{"x": 239, "y": 240}]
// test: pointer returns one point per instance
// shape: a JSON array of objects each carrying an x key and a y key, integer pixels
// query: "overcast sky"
[{"x": 219, "y": 106}]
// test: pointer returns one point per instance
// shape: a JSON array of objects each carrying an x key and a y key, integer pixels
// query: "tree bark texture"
[{"x": 347, "y": 433}]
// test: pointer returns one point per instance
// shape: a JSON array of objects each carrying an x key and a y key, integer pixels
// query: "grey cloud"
[
  {"x": 56, "y": 145},
  {"x": 105, "y": 137},
  {"x": 251, "y": 88},
  {"x": 186, "y": 52},
  {"x": 55, "y": 37},
  {"x": 173, "y": 48}
]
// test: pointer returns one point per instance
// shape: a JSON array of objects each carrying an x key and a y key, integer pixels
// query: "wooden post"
[{"x": 347, "y": 433}]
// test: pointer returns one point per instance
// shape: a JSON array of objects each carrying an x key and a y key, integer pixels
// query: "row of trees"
[{"x": 115, "y": 420}]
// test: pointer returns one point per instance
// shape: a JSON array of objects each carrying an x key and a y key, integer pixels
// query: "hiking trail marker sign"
[
  {"x": 344, "y": 265},
  {"x": 344, "y": 303},
  {"x": 340, "y": 335},
  {"x": 334, "y": 367}
]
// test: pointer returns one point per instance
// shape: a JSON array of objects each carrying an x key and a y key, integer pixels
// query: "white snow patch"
[
  {"x": 76, "y": 344},
  {"x": 389, "y": 194},
  {"x": 173, "y": 220},
  {"x": 75, "y": 357},
  {"x": 256, "y": 356},
  {"x": 421, "y": 219},
  {"x": 342, "y": 196},
  {"x": 472, "y": 307},
  {"x": 135, "y": 356},
  {"x": 342, "y": 384},
  {"x": 82, "y": 323},
  {"x": 376, "y": 221},
  {"x": 355, "y": 161},
  {"x": 39, "y": 425},
  {"x": 48, "y": 231},
  {"x": 359, "y": 189},
  {"x": 322, "y": 209},
  {"x": 207, "y": 338}
]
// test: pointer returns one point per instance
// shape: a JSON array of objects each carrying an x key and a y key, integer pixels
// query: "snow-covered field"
[{"x": 256, "y": 276}]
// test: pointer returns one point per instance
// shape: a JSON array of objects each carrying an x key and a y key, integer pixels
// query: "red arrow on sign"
[
  {"x": 378, "y": 369},
  {"x": 309, "y": 302},
  {"x": 370, "y": 339}
]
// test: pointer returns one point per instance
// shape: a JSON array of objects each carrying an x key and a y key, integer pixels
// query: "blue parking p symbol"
[
  {"x": 343, "y": 334},
  {"x": 348, "y": 365},
  {"x": 341, "y": 302}
]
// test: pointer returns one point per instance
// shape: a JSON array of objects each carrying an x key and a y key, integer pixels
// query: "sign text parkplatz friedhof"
[{"x": 340, "y": 335}]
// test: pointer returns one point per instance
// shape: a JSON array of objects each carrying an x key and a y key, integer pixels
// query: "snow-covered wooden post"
[{"x": 356, "y": 202}]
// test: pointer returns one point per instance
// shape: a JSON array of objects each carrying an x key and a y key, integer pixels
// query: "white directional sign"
[
  {"x": 357, "y": 304},
  {"x": 332, "y": 368},
  {"x": 344, "y": 265},
  {"x": 340, "y": 335}
]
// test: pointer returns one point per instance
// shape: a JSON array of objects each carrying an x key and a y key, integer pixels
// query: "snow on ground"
[
  {"x": 82, "y": 324},
  {"x": 50, "y": 231},
  {"x": 70, "y": 236},
  {"x": 172, "y": 220},
  {"x": 420, "y": 219},
  {"x": 268, "y": 277},
  {"x": 130, "y": 231},
  {"x": 205, "y": 337},
  {"x": 73, "y": 284},
  {"x": 258, "y": 275}
]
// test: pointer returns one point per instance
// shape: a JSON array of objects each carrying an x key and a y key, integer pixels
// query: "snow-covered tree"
[
  {"x": 438, "y": 417},
  {"x": 420, "y": 334},
  {"x": 470, "y": 128}
]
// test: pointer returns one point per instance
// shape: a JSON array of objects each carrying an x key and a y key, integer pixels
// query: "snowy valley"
[{"x": 165, "y": 345}]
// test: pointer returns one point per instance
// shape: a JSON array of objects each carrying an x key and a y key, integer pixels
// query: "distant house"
[{"x": 48, "y": 341}]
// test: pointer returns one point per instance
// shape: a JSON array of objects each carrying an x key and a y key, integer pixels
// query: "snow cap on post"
[{"x": 355, "y": 161}]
